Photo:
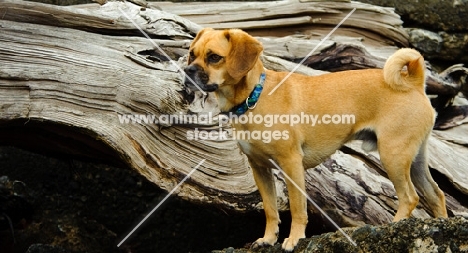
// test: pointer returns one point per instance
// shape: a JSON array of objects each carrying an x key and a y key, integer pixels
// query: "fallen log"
[
  {"x": 316, "y": 18},
  {"x": 67, "y": 90},
  {"x": 72, "y": 87}
]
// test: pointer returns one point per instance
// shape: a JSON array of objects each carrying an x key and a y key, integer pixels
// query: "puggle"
[{"x": 391, "y": 113}]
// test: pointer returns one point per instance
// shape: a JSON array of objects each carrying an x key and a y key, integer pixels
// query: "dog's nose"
[{"x": 191, "y": 69}]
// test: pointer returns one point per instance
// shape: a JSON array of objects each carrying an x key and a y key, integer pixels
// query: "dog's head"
[{"x": 218, "y": 58}]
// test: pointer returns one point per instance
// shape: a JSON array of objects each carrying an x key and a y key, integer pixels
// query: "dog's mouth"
[
  {"x": 196, "y": 79},
  {"x": 193, "y": 85}
]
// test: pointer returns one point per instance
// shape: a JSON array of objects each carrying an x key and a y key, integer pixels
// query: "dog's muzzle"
[{"x": 196, "y": 79}]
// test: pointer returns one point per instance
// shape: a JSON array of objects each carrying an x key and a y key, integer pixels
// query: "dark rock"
[
  {"x": 409, "y": 235},
  {"x": 442, "y": 32},
  {"x": 441, "y": 45},
  {"x": 455, "y": 46},
  {"x": 82, "y": 207},
  {"x": 40, "y": 248},
  {"x": 14, "y": 207},
  {"x": 426, "y": 41},
  {"x": 449, "y": 16}
]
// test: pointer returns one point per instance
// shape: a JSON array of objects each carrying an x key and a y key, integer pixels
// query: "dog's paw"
[
  {"x": 262, "y": 242},
  {"x": 289, "y": 244}
]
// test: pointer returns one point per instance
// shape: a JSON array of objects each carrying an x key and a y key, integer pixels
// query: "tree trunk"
[{"x": 70, "y": 75}]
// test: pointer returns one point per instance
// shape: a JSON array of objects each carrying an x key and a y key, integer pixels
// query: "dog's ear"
[
  {"x": 245, "y": 50},
  {"x": 199, "y": 34}
]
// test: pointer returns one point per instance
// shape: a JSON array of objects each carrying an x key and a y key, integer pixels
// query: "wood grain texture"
[{"x": 311, "y": 16}]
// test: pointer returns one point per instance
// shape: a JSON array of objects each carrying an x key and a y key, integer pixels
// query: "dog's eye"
[
  {"x": 191, "y": 56},
  {"x": 214, "y": 58}
]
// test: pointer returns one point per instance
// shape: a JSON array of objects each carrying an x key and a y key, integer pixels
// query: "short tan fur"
[{"x": 390, "y": 103}]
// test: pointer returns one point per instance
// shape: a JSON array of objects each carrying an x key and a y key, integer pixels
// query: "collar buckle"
[
  {"x": 252, "y": 100},
  {"x": 250, "y": 106}
]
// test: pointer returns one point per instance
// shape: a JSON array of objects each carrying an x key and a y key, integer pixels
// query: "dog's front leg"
[
  {"x": 292, "y": 166},
  {"x": 266, "y": 186}
]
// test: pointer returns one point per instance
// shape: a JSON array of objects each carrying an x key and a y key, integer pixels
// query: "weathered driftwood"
[
  {"x": 106, "y": 19},
  {"x": 317, "y": 17},
  {"x": 73, "y": 85},
  {"x": 63, "y": 86}
]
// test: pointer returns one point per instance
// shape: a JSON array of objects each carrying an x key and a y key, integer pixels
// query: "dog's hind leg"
[
  {"x": 266, "y": 186},
  {"x": 396, "y": 155},
  {"x": 426, "y": 185}
]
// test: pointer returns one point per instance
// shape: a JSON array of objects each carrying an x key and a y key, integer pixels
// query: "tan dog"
[{"x": 390, "y": 108}]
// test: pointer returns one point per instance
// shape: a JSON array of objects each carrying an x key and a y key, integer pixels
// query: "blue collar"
[{"x": 252, "y": 99}]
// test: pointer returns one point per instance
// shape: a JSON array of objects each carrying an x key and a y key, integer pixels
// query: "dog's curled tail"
[{"x": 413, "y": 76}]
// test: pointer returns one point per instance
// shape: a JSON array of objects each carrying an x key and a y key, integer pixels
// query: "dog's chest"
[{"x": 255, "y": 155}]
